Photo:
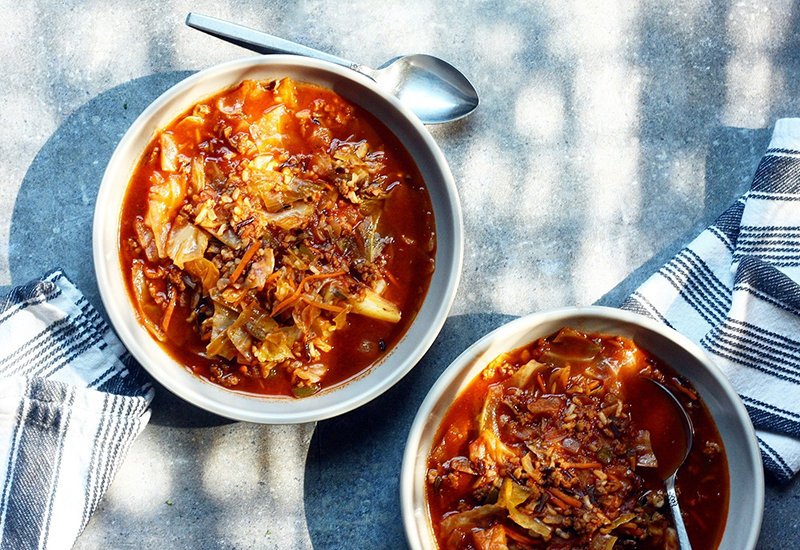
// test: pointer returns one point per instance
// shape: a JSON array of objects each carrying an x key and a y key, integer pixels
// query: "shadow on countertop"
[
  {"x": 51, "y": 224},
  {"x": 352, "y": 482}
]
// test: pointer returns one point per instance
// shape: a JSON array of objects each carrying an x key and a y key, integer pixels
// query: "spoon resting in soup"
[{"x": 541, "y": 451}]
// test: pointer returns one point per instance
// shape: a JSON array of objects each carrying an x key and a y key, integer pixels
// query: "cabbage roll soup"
[
  {"x": 277, "y": 239},
  {"x": 546, "y": 449}
]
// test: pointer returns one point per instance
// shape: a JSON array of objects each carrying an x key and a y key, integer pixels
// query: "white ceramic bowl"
[
  {"x": 381, "y": 376},
  {"x": 744, "y": 459}
]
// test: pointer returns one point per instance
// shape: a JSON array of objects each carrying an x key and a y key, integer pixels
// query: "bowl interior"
[
  {"x": 744, "y": 459},
  {"x": 430, "y": 318}
]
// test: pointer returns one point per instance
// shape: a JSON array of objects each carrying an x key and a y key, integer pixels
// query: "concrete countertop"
[{"x": 610, "y": 133}]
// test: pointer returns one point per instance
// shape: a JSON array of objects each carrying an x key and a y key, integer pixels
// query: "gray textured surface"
[{"x": 609, "y": 134}]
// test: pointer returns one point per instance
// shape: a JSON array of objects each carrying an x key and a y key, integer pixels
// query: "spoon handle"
[
  {"x": 257, "y": 41},
  {"x": 672, "y": 497}
]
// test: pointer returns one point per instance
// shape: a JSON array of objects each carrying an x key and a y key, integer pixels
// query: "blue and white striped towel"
[
  {"x": 71, "y": 404},
  {"x": 735, "y": 290}
]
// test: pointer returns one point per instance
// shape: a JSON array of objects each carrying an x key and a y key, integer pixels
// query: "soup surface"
[
  {"x": 547, "y": 448},
  {"x": 277, "y": 239}
]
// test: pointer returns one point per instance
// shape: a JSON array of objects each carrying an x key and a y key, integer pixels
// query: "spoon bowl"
[
  {"x": 430, "y": 87},
  {"x": 674, "y": 429}
]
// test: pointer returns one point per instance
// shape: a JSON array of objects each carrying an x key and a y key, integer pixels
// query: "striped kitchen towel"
[
  {"x": 71, "y": 404},
  {"x": 735, "y": 290}
]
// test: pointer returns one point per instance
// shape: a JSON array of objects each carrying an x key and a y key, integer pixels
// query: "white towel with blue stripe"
[
  {"x": 735, "y": 291},
  {"x": 72, "y": 401}
]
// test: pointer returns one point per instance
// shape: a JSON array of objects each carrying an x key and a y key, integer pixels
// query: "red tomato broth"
[
  {"x": 702, "y": 482},
  {"x": 406, "y": 223}
]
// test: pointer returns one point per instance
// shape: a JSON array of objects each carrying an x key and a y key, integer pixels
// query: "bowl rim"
[
  {"x": 466, "y": 363},
  {"x": 276, "y": 410}
]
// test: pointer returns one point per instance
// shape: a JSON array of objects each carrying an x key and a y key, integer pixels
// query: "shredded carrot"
[
  {"x": 561, "y": 495},
  {"x": 322, "y": 305},
  {"x": 558, "y": 502},
  {"x": 173, "y": 298},
  {"x": 274, "y": 275},
  {"x": 290, "y": 301},
  {"x": 296, "y": 294},
  {"x": 540, "y": 381},
  {"x": 513, "y": 535},
  {"x": 248, "y": 255},
  {"x": 392, "y": 278},
  {"x": 681, "y": 388},
  {"x": 582, "y": 465}
]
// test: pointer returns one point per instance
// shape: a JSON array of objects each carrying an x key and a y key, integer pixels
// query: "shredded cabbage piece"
[
  {"x": 645, "y": 456},
  {"x": 169, "y": 153},
  {"x": 204, "y": 271},
  {"x": 147, "y": 306},
  {"x": 524, "y": 375},
  {"x": 493, "y": 538},
  {"x": 474, "y": 518},
  {"x": 372, "y": 304},
  {"x": 602, "y": 542},
  {"x": 186, "y": 242}
]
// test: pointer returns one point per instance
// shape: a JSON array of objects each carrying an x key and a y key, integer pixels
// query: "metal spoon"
[
  {"x": 432, "y": 88},
  {"x": 680, "y": 433}
]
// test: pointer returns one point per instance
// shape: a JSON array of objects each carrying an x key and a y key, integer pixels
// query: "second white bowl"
[{"x": 744, "y": 459}]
